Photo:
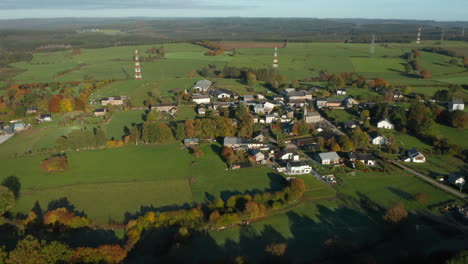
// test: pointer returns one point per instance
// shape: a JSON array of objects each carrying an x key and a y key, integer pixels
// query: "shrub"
[
  {"x": 55, "y": 163},
  {"x": 421, "y": 197}
]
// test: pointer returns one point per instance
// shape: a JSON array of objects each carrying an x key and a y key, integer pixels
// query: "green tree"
[
  {"x": 218, "y": 203},
  {"x": 180, "y": 131},
  {"x": 460, "y": 258},
  {"x": 408, "y": 68},
  {"x": 364, "y": 114},
  {"x": 7, "y": 200},
  {"x": 407, "y": 90},
  {"x": 251, "y": 79},
  {"x": 153, "y": 116},
  {"x": 100, "y": 137},
  {"x": 459, "y": 119},
  {"x": 359, "y": 138},
  {"x": 32, "y": 251},
  {"x": 13, "y": 184}
]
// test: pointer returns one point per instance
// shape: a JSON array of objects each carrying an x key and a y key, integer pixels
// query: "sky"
[{"x": 446, "y": 10}]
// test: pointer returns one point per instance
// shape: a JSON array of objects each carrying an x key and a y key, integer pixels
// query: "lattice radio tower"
[
  {"x": 275, "y": 58},
  {"x": 137, "y": 66},
  {"x": 463, "y": 33},
  {"x": 418, "y": 40}
]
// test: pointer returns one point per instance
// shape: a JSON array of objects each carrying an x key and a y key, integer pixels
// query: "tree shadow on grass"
[{"x": 402, "y": 194}]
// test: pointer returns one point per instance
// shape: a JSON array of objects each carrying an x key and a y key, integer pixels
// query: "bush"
[
  {"x": 55, "y": 163},
  {"x": 421, "y": 197}
]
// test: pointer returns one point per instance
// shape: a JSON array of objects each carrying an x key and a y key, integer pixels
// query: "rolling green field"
[
  {"x": 305, "y": 228},
  {"x": 297, "y": 61},
  {"x": 97, "y": 179}
]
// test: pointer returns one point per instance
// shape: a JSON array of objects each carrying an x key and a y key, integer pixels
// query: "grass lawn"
[
  {"x": 122, "y": 119},
  {"x": 342, "y": 115},
  {"x": 94, "y": 178},
  {"x": 456, "y": 136},
  {"x": 212, "y": 179},
  {"x": 440, "y": 165}
]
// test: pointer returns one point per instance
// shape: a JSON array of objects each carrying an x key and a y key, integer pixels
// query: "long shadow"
[{"x": 402, "y": 194}]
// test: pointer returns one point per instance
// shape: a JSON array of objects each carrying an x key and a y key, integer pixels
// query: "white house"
[
  {"x": 45, "y": 117},
  {"x": 242, "y": 143},
  {"x": 456, "y": 105},
  {"x": 221, "y": 93},
  {"x": 268, "y": 107},
  {"x": 415, "y": 156},
  {"x": 385, "y": 124},
  {"x": 287, "y": 155},
  {"x": 456, "y": 180},
  {"x": 270, "y": 119},
  {"x": 201, "y": 99},
  {"x": 377, "y": 138},
  {"x": 297, "y": 168},
  {"x": 202, "y": 85},
  {"x": 328, "y": 158},
  {"x": 341, "y": 92}
]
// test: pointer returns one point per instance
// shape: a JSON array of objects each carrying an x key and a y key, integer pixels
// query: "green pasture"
[
  {"x": 440, "y": 165},
  {"x": 121, "y": 120}
]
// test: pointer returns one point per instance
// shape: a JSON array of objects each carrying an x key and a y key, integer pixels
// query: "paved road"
[{"x": 431, "y": 181}]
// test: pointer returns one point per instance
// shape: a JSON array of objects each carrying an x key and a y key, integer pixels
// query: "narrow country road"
[{"x": 431, "y": 181}]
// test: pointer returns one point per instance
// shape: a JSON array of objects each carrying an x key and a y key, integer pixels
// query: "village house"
[
  {"x": 366, "y": 158},
  {"x": 170, "y": 108},
  {"x": 341, "y": 92},
  {"x": 219, "y": 105},
  {"x": 260, "y": 96},
  {"x": 385, "y": 124},
  {"x": 349, "y": 124},
  {"x": 257, "y": 156},
  {"x": 457, "y": 180},
  {"x": 99, "y": 111},
  {"x": 191, "y": 142},
  {"x": 377, "y": 138},
  {"x": 397, "y": 95},
  {"x": 328, "y": 158},
  {"x": 366, "y": 105},
  {"x": 202, "y": 86},
  {"x": 413, "y": 155},
  {"x": 299, "y": 95},
  {"x": 456, "y": 104},
  {"x": 287, "y": 154},
  {"x": 31, "y": 110},
  {"x": 45, "y": 117},
  {"x": 335, "y": 103},
  {"x": 278, "y": 98},
  {"x": 248, "y": 98},
  {"x": 311, "y": 117},
  {"x": 297, "y": 168},
  {"x": 113, "y": 100},
  {"x": 297, "y": 103},
  {"x": 349, "y": 102},
  {"x": 18, "y": 127},
  {"x": 321, "y": 102},
  {"x": 242, "y": 143},
  {"x": 258, "y": 136},
  {"x": 221, "y": 93},
  {"x": 201, "y": 110},
  {"x": 201, "y": 99}
]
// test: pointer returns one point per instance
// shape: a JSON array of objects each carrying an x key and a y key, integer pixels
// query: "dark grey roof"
[
  {"x": 457, "y": 101},
  {"x": 412, "y": 152},
  {"x": 45, "y": 116},
  {"x": 364, "y": 156},
  {"x": 375, "y": 134}
]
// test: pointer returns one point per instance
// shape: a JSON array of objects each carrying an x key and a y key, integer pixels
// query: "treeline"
[
  {"x": 217, "y": 214},
  {"x": 214, "y": 48},
  {"x": 7, "y": 58},
  {"x": 48, "y": 97}
]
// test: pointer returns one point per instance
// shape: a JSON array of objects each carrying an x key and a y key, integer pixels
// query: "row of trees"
[{"x": 217, "y": 214}]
